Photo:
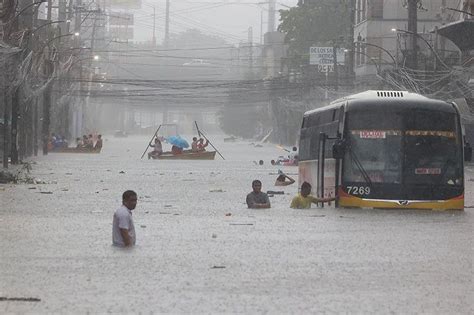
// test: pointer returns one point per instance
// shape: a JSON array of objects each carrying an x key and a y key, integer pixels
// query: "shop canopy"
[{"x": 461, "y": 33}]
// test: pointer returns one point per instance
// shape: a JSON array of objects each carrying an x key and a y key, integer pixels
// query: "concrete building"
[
  {"x": 379, "y": 47},
  {"x": 274, "y": 53}
]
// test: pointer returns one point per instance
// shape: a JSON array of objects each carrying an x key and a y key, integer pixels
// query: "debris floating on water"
[
  {"x": 23, "y": 299},
  {"x": 216, "y": 190},
  {"x": 240, "y": 223}
]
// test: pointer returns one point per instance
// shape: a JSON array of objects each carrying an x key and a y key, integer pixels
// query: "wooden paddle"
[
  {"x": 154, "y": 135},
  {"x": 201, "y": 134}
]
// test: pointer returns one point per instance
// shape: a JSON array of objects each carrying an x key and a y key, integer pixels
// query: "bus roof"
[{"x": 385, "y": 98}]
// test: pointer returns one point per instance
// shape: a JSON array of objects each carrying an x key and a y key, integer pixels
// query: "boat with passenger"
[
  {"x": 75, "y": 150},
  {"x": 186, "y": 155}
]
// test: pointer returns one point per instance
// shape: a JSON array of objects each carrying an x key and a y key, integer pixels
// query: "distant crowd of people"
[
  {"x": 87, "y": 142},
  {"x": 57, "y": 141}
]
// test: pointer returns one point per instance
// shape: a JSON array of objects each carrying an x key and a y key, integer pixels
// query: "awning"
[{"x": 461, "y": 33}]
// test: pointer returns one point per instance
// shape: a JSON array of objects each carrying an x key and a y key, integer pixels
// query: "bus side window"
[
  {"x": 326, "y": 117},
  {"x": 304, "y": 124},
  {"x": 313, "y": 120},
  {"x": 314, "y": 145}
]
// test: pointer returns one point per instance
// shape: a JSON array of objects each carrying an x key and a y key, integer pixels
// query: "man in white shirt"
[{"x": 123, "y": 230}]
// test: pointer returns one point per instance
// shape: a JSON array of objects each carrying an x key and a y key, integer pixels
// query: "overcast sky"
[{"x": 229, "y": 19}]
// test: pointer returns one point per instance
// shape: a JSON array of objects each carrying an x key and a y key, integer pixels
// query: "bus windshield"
[{"x": 412, "y": 148}]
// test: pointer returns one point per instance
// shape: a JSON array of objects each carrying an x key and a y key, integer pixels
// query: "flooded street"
[{"x": 200, "y": 250}]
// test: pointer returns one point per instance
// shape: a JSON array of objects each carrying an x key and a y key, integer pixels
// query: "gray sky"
[{"x": 229, "y": 19}]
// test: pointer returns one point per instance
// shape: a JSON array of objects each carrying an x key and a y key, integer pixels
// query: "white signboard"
[{"x": 324, "y": 57}]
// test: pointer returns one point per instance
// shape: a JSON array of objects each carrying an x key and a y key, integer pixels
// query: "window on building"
[
  {"x": 364, "y": 10},
  {"x": 376, "y": 9},
  {"x": 358, "y": 11}
]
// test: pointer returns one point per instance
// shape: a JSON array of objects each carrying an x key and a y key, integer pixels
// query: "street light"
[{"x": 154, "y": 24}]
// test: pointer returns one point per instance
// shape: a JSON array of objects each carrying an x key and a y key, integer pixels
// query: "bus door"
[
  {"x": 321, "y": 162},
  {"x": 327, "y": 175}
]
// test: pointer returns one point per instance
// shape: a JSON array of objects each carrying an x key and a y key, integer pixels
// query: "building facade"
[{"x": 381, "y": 38}]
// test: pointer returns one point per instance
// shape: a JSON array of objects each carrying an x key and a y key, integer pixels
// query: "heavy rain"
[{"x": 213, "y": 156}]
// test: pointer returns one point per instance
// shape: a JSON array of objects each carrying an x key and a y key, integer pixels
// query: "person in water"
[
  {"x": 282, "y": 179},
  {"x": 304, "y": 199}
]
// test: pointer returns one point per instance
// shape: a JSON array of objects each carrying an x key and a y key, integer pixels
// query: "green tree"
[{"x": 316, "y": 23}]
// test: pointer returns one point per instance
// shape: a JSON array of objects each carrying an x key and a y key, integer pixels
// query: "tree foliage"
[{"x": 318, "y": 23}]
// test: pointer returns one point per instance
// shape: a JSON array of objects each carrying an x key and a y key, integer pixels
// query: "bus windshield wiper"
[
  {"x": 449, "y": 163},
  {"x": 360, "y": 166}
]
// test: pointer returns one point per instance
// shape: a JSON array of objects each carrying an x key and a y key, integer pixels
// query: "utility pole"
[
  {"x": 35, "y": 127},
  {"x": 50, "y": 8},
  {"x": 336, "y": 75},
  {"x": 62, "y": 16},
  {"x": 351, "y": 39},
  {"x": 78, "y": 109},
  {"x": 46, "y": 105},
  {"x": 14, "y": 126},
  {"x": 165, "y": 44},
  {"x": 154, "y": 27},
  {"x": 271, "y": 15},
  {"x": 442, "y": 39},
  {"x": 21, "y": 22},
  {"x": 5, "y": 114},
  {"x": 47, "y": 92},
  {"x": 250, "y": 39},
  {"x": 167, "y": 24},
  {"x": 413, "y": 29},
  {"x": 14, "y": 110}
]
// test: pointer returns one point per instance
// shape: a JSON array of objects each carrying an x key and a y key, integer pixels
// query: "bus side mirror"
[
  {"x": 338, "y": 149},
  {"x": 467, "y": 153}
]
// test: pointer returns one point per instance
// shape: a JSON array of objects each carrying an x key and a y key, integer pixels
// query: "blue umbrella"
[{"x": 178, "y": 141}]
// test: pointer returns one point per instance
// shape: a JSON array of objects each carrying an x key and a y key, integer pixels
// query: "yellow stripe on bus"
[{"x": 355, "y": 202}]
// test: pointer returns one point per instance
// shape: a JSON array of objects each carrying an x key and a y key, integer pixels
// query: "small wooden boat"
[
  {"x": 75, "y": 150},
  {"x": 187, "y": 155}
]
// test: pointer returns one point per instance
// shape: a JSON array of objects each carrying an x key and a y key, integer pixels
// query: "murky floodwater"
[{"x": 201, "y": 250}]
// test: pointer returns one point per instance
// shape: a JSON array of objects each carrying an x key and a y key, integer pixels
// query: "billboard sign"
[
  {"x": 120, "y": 19},
  {"x": 323, "y": 57},
  {"x": 126, "y": 4}
]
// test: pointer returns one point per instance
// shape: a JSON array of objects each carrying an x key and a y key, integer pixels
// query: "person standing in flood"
[
  {"x": 123, "y": 229},
  {"x": 257, "y": 199}
]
